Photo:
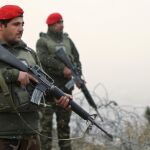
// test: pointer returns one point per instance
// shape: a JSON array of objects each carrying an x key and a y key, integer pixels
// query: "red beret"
[
  {"x": 10, "y": 12},
  {"x": 53, "y": 18}
]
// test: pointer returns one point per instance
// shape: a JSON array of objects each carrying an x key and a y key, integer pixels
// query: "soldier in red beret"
[
  {"x": 46, "y": 46},
  {"x": 19, "y": 118}
]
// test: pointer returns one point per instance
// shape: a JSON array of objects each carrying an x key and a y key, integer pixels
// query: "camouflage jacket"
[{"x": 11, "y": 125}]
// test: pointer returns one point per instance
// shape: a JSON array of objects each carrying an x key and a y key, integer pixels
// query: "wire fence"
[{"x": 127, "y": 124}]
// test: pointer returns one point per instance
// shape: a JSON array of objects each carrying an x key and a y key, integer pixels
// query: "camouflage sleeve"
[
  {"x": 48, "y": 58},
  {"x": 76, "y": 56},
  {"x": 10, "y": 74}
]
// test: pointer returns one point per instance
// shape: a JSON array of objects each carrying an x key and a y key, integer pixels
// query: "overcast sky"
[{"x": 112, "y": 37}]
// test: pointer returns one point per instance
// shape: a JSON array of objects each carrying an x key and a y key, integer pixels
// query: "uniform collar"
[{"x": 20, "y": 44}]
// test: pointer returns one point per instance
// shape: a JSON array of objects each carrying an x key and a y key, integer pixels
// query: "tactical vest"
[
  {"x": 13, "y": 96},
  {"x": 65, "y": 44},
  {"x": 5, "y": 98}
]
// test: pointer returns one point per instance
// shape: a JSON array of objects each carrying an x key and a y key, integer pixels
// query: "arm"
[
  {"x": 10, "y": 74},
  {"x": 76, "y": 56}
]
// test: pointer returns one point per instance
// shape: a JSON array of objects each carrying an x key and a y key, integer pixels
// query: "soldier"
[
  {"x": 19, "y": 118},
  {"x": 46, "y": 46}
]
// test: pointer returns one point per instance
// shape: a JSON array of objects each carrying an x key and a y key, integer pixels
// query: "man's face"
[
  {"x": 58, "y": 27},
  {"x": 12, "y": 32}
]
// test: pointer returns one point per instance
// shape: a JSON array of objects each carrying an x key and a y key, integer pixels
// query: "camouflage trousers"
[
  {"x": 63, "y": 128},
  {"x": 26, "y": 143}
]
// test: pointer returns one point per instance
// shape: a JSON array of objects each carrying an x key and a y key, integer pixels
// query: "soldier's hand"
[
  {"x": 64, "y": 101},
  {"x": 24, "y": 78},
  {"x": 67, "y": 72},
  {"x": 79, "y": 83}
]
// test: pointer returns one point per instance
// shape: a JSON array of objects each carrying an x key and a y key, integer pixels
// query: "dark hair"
[{"x": 6, "y": 21}]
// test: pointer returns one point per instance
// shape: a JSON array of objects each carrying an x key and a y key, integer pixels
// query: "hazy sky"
[{"x": 112, "y": 37}]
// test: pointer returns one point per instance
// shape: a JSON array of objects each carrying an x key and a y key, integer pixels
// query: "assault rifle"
[
  {"x": 45, "y": 84},
  {"x": 60, "y": 53}
]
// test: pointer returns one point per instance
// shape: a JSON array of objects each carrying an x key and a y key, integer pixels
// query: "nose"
[
  {"x": 61, "y": 26},
  {"x": 22, "y": 27}
]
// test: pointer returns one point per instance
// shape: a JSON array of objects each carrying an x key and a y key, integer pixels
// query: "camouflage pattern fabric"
[
  {"x": 27, "y": 143},
  {"x": 63, "y": 129}
]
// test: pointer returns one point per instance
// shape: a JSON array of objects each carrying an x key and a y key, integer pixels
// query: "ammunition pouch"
[
  {"x": 21, "y": 99},
  {"x": 6, "y": 101}
]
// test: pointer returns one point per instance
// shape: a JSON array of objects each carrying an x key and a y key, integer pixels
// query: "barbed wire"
[{"x": 130, "y": 129}]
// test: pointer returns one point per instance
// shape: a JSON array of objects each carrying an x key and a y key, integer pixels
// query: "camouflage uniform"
[
  {"x": 25, "y": 143},
  {"x": 46, "y": 47},
  {"x": 19, "y": 118}
]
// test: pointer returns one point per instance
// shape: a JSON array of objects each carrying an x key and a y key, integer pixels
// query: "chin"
[
  {"x": 18, "y": 40},
  {"x": 14, "y": 42}
]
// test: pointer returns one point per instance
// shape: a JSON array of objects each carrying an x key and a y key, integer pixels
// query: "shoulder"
[
  {"x": 43, "y": 35},
  {"x": 66, "y": 35},
  {"x": 32, "y": 52},
  {"x": 42, "y": 38},
  {"x": 29, "y": 49},
  {"x": 22, "y": 45}
]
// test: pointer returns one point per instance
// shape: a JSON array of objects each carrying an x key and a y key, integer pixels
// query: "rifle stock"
[{"x": 45, "y": 85}]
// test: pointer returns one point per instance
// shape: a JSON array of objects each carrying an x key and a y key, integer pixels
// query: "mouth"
[{"x": 19, "y": 35}]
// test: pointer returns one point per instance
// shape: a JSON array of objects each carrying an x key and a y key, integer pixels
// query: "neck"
[{"x": 55, "y": 35}]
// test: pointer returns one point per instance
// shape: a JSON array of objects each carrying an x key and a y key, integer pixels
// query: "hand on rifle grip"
[{"x": 67, "y": 73}]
